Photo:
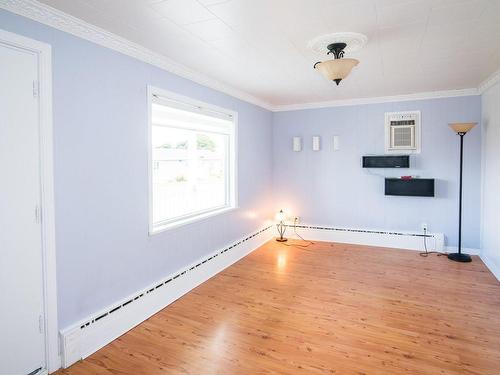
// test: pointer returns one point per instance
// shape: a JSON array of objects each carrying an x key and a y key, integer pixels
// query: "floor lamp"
[
  {"x": 461, "y": 129},
  {"x": 280, "y": 217}
]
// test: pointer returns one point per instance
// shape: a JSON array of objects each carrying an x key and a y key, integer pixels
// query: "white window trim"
[
  {"x": 233, "y": 161},
  {"x": 44, "y": 54}
]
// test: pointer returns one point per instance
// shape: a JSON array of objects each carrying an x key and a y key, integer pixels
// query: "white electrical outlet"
[
  {"x": 296, "y": 219},
  {"x": 424, "y": 227}
]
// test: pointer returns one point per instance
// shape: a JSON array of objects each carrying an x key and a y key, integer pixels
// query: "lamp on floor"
[
  {"x": 280, "y": 217},
  {"x": 461, "y": 128}
]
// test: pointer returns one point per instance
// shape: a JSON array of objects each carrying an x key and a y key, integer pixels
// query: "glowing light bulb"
[{"x": 280, "y": 216}]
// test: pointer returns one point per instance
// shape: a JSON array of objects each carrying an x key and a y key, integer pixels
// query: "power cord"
[
  {"x": 370, "y": 171},
  {"x": 309, "y": 243},
  {"x": 426, "y": 253}
]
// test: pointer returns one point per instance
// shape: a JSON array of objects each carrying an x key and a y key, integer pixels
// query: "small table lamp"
[
  {"x": 280, "y": 217},
  {"x": 461, "y": 128}
]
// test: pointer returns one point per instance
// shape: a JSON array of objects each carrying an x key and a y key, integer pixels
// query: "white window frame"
[{"x": 233, "y": 158}]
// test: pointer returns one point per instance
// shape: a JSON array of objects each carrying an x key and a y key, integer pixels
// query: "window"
[{"x": 192, "y": 160}]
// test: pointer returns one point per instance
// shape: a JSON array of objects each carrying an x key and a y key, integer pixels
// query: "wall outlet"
[
  {"x": 296, "y": 220},
  {"x": 424, "y": 227}
]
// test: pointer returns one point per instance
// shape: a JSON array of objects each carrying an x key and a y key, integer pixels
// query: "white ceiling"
[{"x": 260, "y": 46}]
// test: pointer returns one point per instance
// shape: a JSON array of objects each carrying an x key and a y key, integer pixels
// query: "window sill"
[{"x": 190, "y": 220}]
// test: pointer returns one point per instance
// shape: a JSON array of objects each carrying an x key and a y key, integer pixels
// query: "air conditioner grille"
[
  {"x": 402, "y": 136},
  {"x": 402, "y": 132}
]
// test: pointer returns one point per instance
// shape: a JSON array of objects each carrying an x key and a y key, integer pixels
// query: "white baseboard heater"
[
  {"x": 91, "y": 334},
  {"x": 394, "y": 239}
]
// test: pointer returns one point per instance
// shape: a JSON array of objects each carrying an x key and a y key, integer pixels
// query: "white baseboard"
[
  {"x": 494, "y": 269},
  {"x": 395, "y": 239},
  {"x": 91, "y": 334}
]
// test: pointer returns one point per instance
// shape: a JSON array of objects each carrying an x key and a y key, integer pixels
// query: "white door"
[{"x": 22, "y": 338}]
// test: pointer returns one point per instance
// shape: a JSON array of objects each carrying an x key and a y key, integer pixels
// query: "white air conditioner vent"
[{"x": 402, "y": 132}]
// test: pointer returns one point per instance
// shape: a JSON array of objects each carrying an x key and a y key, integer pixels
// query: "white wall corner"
[
  {"x": 492, "y": 266},
  {"x": 489, "y": 82}
]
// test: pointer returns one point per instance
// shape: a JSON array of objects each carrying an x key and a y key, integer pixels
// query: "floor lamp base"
[
  {"x": 282, "y": 239},
  {"x": 459, "y": 257}
]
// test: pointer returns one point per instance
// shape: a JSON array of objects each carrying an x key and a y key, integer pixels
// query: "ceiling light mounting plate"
[{"x": 353, "y": 42}]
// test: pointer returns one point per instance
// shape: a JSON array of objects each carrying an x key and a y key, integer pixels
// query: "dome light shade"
[
  {"x": 336, "y": 70},
  {"x": 462, "y": 127}
]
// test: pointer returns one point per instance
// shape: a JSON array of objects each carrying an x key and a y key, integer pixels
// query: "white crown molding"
[
  {"x": 489, "y": 82},
  {"x": 57, "y": 19},
  {"x": 375, "y": 100}
]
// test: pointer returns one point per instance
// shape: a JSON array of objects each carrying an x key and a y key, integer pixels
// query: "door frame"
[{"x": 44, "y": 53}]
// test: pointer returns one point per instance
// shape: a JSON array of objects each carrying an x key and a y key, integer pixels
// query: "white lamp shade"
[
  {"x": 336, "y": 69},
  {"x": 280, "y": 216}
]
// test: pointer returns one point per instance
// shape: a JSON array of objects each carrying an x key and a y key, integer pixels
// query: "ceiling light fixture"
[
  {"x": 337, "y": 44},
  {"x": 338, "y": 68}
]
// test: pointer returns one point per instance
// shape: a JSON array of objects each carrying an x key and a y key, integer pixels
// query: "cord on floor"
[
  {"x": 426, "y": 253},
  {"x": 309, "y": 243}
]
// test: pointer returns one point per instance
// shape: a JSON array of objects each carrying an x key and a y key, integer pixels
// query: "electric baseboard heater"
[{"x": 414, "y": 187}]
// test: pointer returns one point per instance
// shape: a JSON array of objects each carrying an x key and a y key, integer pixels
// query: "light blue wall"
[
  {"x": 330, "y": 187},
  {"x": 101, "y": 185}
]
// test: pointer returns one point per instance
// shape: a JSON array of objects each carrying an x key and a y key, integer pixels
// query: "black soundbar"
[{"x": 386, "y": 161}]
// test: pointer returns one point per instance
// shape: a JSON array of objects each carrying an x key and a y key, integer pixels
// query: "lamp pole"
[
  {"x": 461, "y": 129},
  {"x": 460, "y": 193}
]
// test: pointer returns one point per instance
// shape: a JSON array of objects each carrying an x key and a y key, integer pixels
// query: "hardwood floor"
[{"x": 325, "y": 309}]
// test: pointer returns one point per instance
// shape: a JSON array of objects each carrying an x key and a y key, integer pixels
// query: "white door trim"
[{"x": 44, "y": 52}]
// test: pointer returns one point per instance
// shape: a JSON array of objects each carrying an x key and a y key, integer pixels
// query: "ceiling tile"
[
  {"x": 212, "y": 2},
  {"x": 210, "y": 30},
  {"x": 183, "y": 12},
  {"x": 355, "y": 15},
  {"x": 403, "y": 13},
  {"x": 401, "y": 39},
  {"x": 84, "y": 10},
  {"x": 456, "y": 12}
]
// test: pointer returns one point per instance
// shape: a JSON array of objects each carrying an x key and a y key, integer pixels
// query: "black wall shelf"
[{"x": 414, "y": 187}]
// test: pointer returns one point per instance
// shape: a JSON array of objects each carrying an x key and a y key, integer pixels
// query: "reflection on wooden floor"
[{"x": 324, "y": 309}]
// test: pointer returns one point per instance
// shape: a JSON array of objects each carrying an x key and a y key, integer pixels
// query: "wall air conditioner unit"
[{"x": 402, "y": 132}]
